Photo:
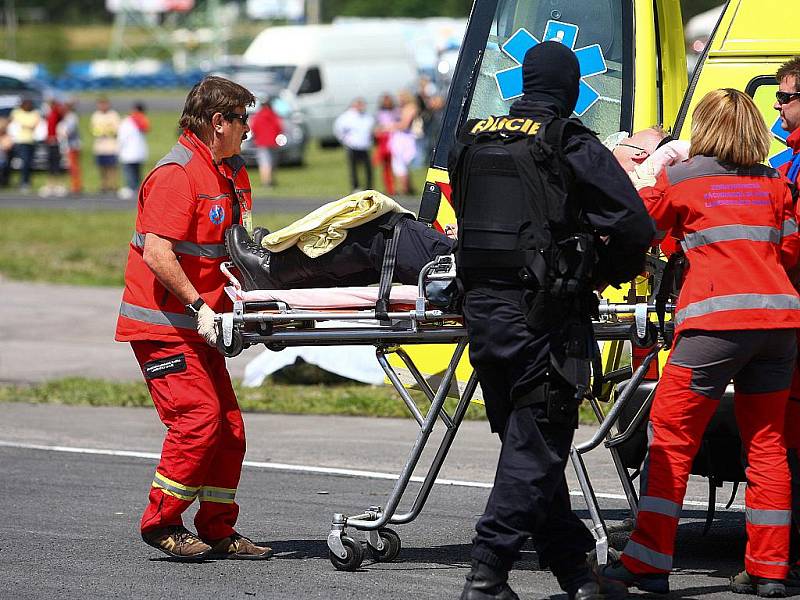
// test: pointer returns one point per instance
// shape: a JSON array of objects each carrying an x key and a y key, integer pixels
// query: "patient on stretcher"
[{"x": 356, "y": 261}]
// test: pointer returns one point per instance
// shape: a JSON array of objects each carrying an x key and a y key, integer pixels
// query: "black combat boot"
[
  {"x": 581, "y": 583},
  {"x": 485, "y": 582},
  {"x": 252, "y": 260},
  {"x": 259, "y": 233}
]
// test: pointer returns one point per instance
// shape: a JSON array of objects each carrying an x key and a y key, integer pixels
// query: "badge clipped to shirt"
[{"x": 247, "y": 221}]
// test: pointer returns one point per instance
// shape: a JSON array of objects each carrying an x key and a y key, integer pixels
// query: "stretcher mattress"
[{"x": 327, "y": 298}]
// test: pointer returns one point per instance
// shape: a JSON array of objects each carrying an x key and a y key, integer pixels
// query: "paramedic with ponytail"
[{"x": 735, "y": 320}]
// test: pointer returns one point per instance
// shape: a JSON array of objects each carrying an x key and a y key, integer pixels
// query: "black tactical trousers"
[
  {"x": 530, "y": 498},
  {"x": 359, "y": 258}
]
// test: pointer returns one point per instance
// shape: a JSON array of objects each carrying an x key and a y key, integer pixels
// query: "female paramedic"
[{"x": 735, "y": 319}]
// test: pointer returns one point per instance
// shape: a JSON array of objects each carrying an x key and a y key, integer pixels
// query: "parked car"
[{"x": 292, "y": 144}]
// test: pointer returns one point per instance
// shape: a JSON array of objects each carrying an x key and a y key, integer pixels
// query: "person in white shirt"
[
  {"x": 133, "y": 151},
  {"x": 354, "y": 130}
]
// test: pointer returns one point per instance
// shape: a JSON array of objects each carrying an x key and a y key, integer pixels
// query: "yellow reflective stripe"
[
  {"x": 173, "y": 488},
  {"x": 208, "y": 493}
]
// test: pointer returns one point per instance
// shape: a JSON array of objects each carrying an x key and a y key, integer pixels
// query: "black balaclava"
[{"x": 551, "y": 75}]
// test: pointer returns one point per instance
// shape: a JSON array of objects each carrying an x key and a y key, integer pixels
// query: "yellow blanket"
[{"x": 325, "y": 228}]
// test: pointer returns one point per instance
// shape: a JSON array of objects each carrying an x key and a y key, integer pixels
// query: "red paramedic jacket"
[
  {"x": 187, "y": 198},
  {"x": 738, "y": 229}
]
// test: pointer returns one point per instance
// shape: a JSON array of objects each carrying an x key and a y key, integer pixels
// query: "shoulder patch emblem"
[{"x": 216, "y": 215}]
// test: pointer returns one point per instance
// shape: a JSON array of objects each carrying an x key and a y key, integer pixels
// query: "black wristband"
[{"x": 194, "y": 308}]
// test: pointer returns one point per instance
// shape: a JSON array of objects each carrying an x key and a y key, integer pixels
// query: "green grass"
[
  {"x": 273, "y": 397},
  {"x": 75, "y": 247},
  {"x": 324, "y": 174}
]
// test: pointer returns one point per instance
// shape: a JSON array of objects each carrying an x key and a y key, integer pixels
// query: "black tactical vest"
[{"x": 511, "y": 186}]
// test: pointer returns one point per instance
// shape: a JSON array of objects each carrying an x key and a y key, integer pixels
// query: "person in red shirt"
[
  {"x": 266, "y": 126},
  {"x": 788, "y": 106},
  {"x": 54, "y": 185},
  {"x": 173, "y": 290},
  {"x": 735, "y": 318}
]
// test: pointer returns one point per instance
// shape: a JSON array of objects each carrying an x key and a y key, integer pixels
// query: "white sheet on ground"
[{"x": 354, "y": 362}]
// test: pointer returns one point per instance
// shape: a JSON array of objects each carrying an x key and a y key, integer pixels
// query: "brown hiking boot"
[
  {"x": 238, "y": 547},
  {"x": 178, "y": 542}
]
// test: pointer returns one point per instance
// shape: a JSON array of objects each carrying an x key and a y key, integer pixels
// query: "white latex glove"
[
  {"x": 205, "y": 325},
  {"x": 645, "y": 174}
]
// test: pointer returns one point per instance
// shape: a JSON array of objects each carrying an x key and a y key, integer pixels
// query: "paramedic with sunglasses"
[
  {"x": 173, "y": 288},
  {"x": 788, "y": 105}
]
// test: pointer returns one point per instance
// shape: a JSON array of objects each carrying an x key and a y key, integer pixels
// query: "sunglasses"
[
  {"x": 786, "y": 97},
  {"x": 234, "y": 116},
  {"x": 639, "y": 148}
]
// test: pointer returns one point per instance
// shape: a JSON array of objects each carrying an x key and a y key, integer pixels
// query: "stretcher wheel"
[
  {"x": 354, "y": 558},
  {"x": 235, "y": 347},
  {"x": 391, "y": 546}
]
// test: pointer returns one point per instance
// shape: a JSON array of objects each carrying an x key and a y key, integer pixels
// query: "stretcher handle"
[{"x": 613, "y": 414}]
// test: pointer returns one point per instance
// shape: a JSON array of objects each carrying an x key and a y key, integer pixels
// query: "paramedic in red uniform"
[
  {"x": 735, "y": 319},
  {"x": 788, "y": 105},
  {"x": 173, "y": 288}
]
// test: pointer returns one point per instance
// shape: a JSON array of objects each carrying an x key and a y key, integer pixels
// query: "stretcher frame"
[{"x": 284, "y": 326}]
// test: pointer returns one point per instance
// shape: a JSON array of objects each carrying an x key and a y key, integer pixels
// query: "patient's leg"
[
  {"x": 356, "y": 261},
  {"x": 359, "y": 258}
]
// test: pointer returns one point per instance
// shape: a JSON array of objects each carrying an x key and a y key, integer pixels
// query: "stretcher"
[{"x": 348, "y": 316}]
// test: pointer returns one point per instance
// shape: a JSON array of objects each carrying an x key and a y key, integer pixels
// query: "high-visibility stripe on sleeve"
[
  {"x": 738, "y": 302},
  {"x": 729, "y": 233},
  {"x": 756, "y": 516},
  {"x": 660, "y": 506},
  {"x": 173, "y": 488},
  {"x": 216, "y": 494},
  {"x": 156, "y": 317},
  {"x": 658, "y": 560},
  {"x": 189, "y": 248},
  {"x": 789, "y": 227}
]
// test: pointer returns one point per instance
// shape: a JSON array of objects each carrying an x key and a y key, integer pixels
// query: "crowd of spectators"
[{"x": 400, "y": 136}]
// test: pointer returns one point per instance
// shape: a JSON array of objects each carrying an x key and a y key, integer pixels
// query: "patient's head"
[{"x": 634, "y": 150}]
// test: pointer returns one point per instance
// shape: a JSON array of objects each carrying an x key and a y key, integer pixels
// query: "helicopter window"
[{"x": 593, "y": 28}]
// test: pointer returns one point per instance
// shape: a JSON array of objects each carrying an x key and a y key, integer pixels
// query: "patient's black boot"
[
  {"x": 485, "y": 582},
  {"x": 259, "y": 233},
  {"x": 252, "y": 260}
]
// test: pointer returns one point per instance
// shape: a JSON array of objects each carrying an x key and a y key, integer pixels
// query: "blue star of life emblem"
[
  {"x": 591, "y": 59},
  {"x": 784, "y": 156},
  {"x": 217, "y": 214}
]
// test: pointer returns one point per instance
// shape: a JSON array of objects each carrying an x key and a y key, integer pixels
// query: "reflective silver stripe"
[
  {"x": 180, "y": 491},
  {"x": 648, "y": 556},
  {"x": 789, "y": 227},
  {"x": 190, "y": 248},
  {"x": 757, "y": 516},
  {"x": 738, "y": 302},
  {"x": 728, "y": 233},
  {"x": 157, "y": 317},
  {"x": 660, "y": 506},
  {"x": 212, "y": 494},
  {"x": 774, "y": 563}
]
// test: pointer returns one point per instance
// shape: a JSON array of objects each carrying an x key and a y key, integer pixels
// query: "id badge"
[{"x": 247, "y": 221}]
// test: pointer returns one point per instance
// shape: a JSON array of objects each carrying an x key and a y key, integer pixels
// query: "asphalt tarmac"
[{"x": 74, "y": 481}]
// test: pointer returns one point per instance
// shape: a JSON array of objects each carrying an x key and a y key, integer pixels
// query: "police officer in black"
[{"x": 545, "y": 215}]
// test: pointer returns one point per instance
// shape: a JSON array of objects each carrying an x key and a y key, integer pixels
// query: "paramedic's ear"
[{"x": 216, "y": 122}]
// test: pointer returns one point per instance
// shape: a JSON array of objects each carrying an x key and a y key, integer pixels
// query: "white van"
[{"x": 327, "y": 66}]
